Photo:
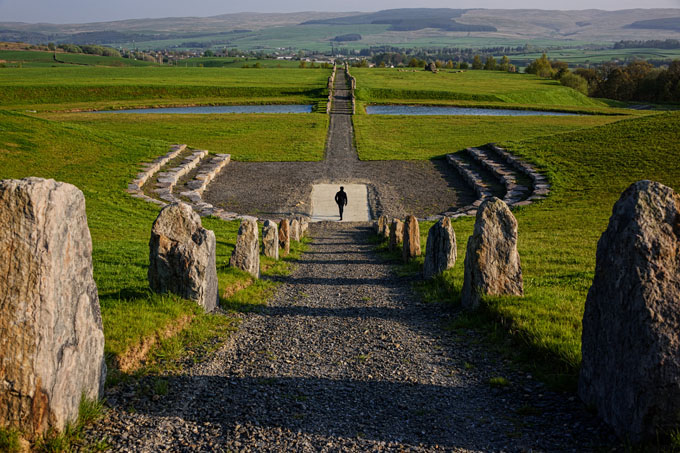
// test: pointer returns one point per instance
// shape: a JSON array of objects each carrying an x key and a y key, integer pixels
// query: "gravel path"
[
  {"x": 345, "y": 358},
  {"x": 395, "y": 188}
]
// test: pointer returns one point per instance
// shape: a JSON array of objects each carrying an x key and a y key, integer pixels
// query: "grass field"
[
  {"x": 38, "y": 59},
  {"x": 558, "y": 237},
  {"x": 102, "y": 88},
  {"x": 101, "y": 164},
  {"x": 252, "y": 137},
  {"x": 478, "y": 87},
  {"x": 386, "y": 137}
]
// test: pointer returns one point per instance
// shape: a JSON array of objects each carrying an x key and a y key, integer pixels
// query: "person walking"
[{"x": 341, "y": 200}]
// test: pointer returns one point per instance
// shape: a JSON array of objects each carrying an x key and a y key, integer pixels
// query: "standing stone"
[
  {"x": 492, "y": 264},
  {"x": 51, "y": 337},
  {"x": 182, "y": 256},
  {"x": 284, "y": 237},
  {"x": 270, "y": 239},
  {"x": 396, "y": 234},
  {"x": 295, "y": 230},
  {"x": 304, "y": 226},
  {"x": 411, "y": 246},
  {"x": 246, "y": 254},
  {"x": 440, "y": 252},
  {"x": 630, "y": 346},
  {"x": 383, "y": 225}
]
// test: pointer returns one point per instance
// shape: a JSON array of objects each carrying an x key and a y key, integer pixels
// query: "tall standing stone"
[
  {"x": 440, "y": 251},
  {"x": 51, "y": 337},
  {"x": 630, "y": 369},
  {"x": 284, "y": 237},
  {"x": 246, "y": 254},
  {"x": 270, "y": 239},
  {"x": 411, "y": 245},
  {"x": 383, "y": 226},
  {"x": 295, "y": 230},
  {"x": 492, "y": 264},
  {"x": 396, "y": 234},
  {"x": 304, "y": 226},
  {"x": 182, "y": 256}
]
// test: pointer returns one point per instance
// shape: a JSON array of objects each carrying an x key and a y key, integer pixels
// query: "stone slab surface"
[{"x": 324, "y": 207}]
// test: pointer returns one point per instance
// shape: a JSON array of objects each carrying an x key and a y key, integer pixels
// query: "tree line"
[{"x": 636, "y": 81}]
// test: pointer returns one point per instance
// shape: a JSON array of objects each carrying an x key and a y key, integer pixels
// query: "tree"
[
  {"x": 541, "y": 67},
  {"x": 477, "y": 62},
  {"x": 504, "y": 64},
  {"x": 303, "y": 64},
  {"x": 463, "y": 65},
  {"x": 574, "y": 81},
  {"x": 490, "y": 64},
  {"x": 50, "y": 46},
  {"x": 208, "y": 53},
  {"x": 449, "y": 64}
]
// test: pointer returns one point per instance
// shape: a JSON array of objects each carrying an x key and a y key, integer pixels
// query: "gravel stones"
[
  {"x": 631, "y": 325},
  {"x": 347, "y": 358},
  {"x": 284, "y": 237},
  {"x": 492, "y": 264},
  {"x": 182, "y": 256},
  {"x": 396, "y": 234},
  {"x": 270, "y": 239},
  {"x": 411, "y": 246},
  {"x": 51, "y": 337},
  {"x": 246, "y": 254},
  {"x": 440, "y": 251}
]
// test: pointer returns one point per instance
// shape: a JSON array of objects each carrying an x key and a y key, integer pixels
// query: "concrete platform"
[{"x": 324, "y": 207}]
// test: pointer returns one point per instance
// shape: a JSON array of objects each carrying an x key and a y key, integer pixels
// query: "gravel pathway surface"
[
  {"x": 345, "y": 358},
  {"x": 395, "y": 188}
]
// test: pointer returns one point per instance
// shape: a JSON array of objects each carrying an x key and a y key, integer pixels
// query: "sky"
[{"x": 81, "y": 11}]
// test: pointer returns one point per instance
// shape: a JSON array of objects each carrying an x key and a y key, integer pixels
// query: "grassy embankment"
[
  {"x": 101, "y": 88},
  {"x": 588, "y": 169},
  {"x": 46, "y": 59},
  {"x": 471, "y": 88},
  {"x": 247, "y": 137},
  {"x": 101, "y": 164}
]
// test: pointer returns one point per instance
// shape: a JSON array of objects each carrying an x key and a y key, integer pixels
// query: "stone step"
[{"x": 514, "y": 192}]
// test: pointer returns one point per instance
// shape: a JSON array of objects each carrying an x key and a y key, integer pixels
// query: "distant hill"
[
  {"x": 406, "y": 27},
  {"x": 669, "y": 23}
]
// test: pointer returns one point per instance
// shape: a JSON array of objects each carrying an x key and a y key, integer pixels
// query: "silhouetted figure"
[{"x": 341, "y": 200}]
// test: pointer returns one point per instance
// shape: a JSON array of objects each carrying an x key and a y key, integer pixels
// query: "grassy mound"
[
  {"x": 101, "y": 164},
  {"x": 482, "y": 87},
  {"x": 106, "y": 88},
  {"x": 558, "y": 237}
]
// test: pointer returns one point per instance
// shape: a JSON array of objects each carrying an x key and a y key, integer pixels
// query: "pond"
[
  {"x": 439, "y": 110},
  {"x": 206, "y": 109}
]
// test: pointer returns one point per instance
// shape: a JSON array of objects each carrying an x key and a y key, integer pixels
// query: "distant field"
[
  {"x": 586, "y": 57},
  {"x": 490, "y": 87},
  {"x": 386, "y": 137},
  {"x": 99, "y": 87},
  {"x": 230, "y": 62},
  {"x": 252, "y": 137},
  {"x": 37, "y": 59}
]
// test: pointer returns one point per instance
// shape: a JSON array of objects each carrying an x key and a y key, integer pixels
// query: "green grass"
[
  {"x": 81, "y": 87},
  {"x": 558, "y": 237},
  {"x": 39, "y": 59},
  {"x": 585, "y": 56},
  {"x": 9, "y": 440},
  {"x": 385, "y": 137},
  {"x": 247, "y": 137},
  {"x": 101, "y": 164},
  {"x": 482, "y": 87}
]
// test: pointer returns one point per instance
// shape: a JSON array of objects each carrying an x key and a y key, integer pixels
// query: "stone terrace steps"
[
  {"x": 171, "y": 183},
  {"x": 506, "y": 168},
  {"x": 503, "y": 172}
]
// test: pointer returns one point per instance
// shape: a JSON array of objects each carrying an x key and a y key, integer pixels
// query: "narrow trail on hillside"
[{"x": 345, "y": 358}]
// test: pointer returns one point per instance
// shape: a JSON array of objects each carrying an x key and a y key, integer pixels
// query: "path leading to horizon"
[
  {"x": 346, "y": 358},
  {"x": 395, "y": 188}
]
